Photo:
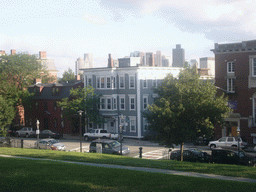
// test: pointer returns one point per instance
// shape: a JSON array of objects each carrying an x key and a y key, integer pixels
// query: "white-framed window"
[
  {"x": 121, "y": 82},
  {"x": 113, "y": 82},
  {"x": 109, "y": 103},
  {"x": 145, "y": 84},
  {"x": 108, "y": 82},
  {"x": 89, "y": 81},
  {"x": 230, "y": 67},
  {"x": 132, "y": 124},
  {"x": 102, "y": 103},
  {"x": 145, "y": 102},
  {"x": 154, "y": 82},
  {"x": 98, "y": 82},
  {"x": 254, "y": 110},
  {"x": 122, "y": 102},
  {"x": 231, "y": 85},
  {"x": 145, "y": 124},
  {"x": 132, "y": 102},
  {"x": 132, "y": 82},
  {"x": 254, "y": 67},
  {"x": 114, "y": 104},
  {"x": 102, "y": 82},
  {"x": 122, "y": 122}
]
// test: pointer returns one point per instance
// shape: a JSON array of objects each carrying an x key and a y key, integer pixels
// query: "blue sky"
[{"x": 66, "y": 29}]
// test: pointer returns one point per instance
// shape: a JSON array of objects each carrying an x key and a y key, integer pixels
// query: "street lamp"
[
  {"x": 80, "y": 130},
  {"x": 37, "y": 132},
  {"x": 238, "y": 138},
  {"x": 121, "y": 134}
]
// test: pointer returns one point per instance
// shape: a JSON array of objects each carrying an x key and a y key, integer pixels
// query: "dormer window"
[{"x": 55, "y": 90}]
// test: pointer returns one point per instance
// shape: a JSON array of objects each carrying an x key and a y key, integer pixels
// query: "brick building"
[{"x": 235, "y": 75}]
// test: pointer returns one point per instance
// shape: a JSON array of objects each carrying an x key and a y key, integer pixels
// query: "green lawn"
[
  {"x": 218, "y": 169},
  {"x": 29, "y": 175}
]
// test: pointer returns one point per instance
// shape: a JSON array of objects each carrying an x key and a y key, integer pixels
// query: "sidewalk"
[{"x": 152, "y": 170}]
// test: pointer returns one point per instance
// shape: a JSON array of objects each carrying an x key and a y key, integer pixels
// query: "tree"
[
  {"x": 68, "y": 76},
  {"x": 186, "y": 108},
  {"x": 7, "y": 113},
  {"x": 83, "y": 99},
  {"x": 17, "y": 72}
]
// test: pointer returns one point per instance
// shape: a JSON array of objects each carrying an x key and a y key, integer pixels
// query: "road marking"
[{"x": 157, "y": 154}]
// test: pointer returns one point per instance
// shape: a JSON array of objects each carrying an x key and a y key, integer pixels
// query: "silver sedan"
[{"x": 51, "y": 144}]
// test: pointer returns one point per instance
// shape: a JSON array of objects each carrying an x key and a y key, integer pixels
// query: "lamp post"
[
  {"x": 238, "y": 138},
  {"x": 121, "y": 134},
  {"x": 37, "y": 132},
  {"x": 80, "y": 130}
]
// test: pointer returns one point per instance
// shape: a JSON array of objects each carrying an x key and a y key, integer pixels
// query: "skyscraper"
[
  {"x": 150, "y": 59},
  {"x": 178, "y": 56}
]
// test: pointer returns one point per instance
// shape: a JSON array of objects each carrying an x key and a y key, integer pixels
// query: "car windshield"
[
  {"x": 114, "y": 144},
  {"x": 197, "y": 151},
  {"x": 53, "y": 141}
]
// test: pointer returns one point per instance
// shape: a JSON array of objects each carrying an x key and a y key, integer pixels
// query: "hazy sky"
[{"x": 66, "y": 29}]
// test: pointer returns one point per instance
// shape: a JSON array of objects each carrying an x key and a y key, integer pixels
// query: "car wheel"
[
  {"x": 104, "y": 137},
  {"x": 212, "y": 146},
  {"x": 234, "y": 146},
  {"x": 17, "y": 134},
  {"x": 86, "y": 138}
]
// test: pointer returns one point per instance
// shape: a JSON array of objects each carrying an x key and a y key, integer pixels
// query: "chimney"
[
  {"x": 42, "y": 55},
  {"x": 13, "y": 52},
  {"x": 110, "y": 61}
]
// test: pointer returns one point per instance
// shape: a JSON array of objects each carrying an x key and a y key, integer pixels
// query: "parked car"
[
  {"x": 202, "y": 141},
  {"x": 11, "y": 132},
  {"x": 227, "y": 142},
  {"x": 192, "y": 155},
  {"x": 51, "y": 144},
  {"x": 226, "y": 156},
  {"x": 108, "y": 146},
  {"x": 50, "y": 134},
  {"x": 26, "y": 131},
  {"x": 99, "y": 133}
]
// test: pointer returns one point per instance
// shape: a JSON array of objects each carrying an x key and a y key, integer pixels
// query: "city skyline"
[{"x": 66, "y": 30}]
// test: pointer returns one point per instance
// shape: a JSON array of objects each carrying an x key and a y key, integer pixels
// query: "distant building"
[
  {"x": 139, "y": 54},
  {"x": 129, "y": 61},
  {"x": 178, "y": 57},
  {"x": 87, "y": 62},
  {"x": 208, "y": 63},
  {"x": 193, "y": 62},
  {"x": 166, "y": 61},
  {"x": 150, "y": 59},
  {"x": 158, "y": 59}
]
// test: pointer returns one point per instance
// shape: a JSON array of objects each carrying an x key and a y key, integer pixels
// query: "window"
[
  {"x": 109, "y": 104},
  {"x": 102, "y": 82},
  {"x": 98, "y": 82},
  {"x": 102, "y": 103},
  {"x": 132, "y": 124},
  {"x": 122, "y": 122},
  {"x": 230, "y": 67},
  {"x": 36, "y": 105},
  {"x": 254, "y": 67},
  {"x": 132, "y": 103},
  {"x": 108, "y": 82},
  {"x": 132, "y": 82},
  {"x": 114, "y": 103},
  {"x": 254, "y": 110},
  {"x": 121, "y": 82},
  {"x": 89, "y": 81},
  {"x": 145, "y": 124},
  {"x": 231, "y": 85},
  {"x": 122, "y": 103},
  {"x": 145, "y": 102},
  {"x": 154, "y": 83},
  {"x": 55, "y": 105},
  {"x": 55, "y": 122},
  {"x": 145, "y": 83},
  {"x": 114, "y": 82}
]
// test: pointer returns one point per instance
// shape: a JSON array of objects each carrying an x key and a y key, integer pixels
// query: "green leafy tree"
[
  {"x": 7, "y": 113},
  {"x": 186, "y": 108},
  {"x": 17, "y": 72},
  {"x": 83, "y": 99},
  {"x": 68, "y": 76}
]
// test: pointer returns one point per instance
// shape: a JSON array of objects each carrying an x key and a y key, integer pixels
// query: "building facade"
[
  {"x": 235, "y": 75},
  {"x": 178, "y": 57},
  {"x": 208, "y": 63},
  {"x": 125, "y": 93}
]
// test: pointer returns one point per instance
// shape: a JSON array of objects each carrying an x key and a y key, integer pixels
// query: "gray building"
[
  {"x": 178, "y": 56},
  {"x": 125, "y": 93}
]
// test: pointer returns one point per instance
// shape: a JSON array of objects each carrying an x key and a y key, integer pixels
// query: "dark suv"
[
  {"x": 192, "y": 155},
  {"x": 232, "y": 157}
]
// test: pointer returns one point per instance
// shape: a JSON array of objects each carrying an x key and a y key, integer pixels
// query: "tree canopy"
[
  {"x": 84, "y": 99},
  {"x": 68, "y": 76},
  {"x": 186, "y": 107},
  {"x": 17, "y": 72}
]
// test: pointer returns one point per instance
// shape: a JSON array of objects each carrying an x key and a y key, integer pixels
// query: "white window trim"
[
  {"x": 145, "y": 96},
  {"x": 232, "y": 67},
  {"x": 130, "y": 81},
  {"x": 145, "y": 123},
  {"x": 120, "y": 82},
  {"x": 252, "y": 63},
  {"x": 114, "y": 103},
  {"x": 131, "y": 119},
  {"x": 103, "y": 82},
  {"x": 113, "y": 82},
  {"x": 145, "y": 80},
  {"x": 98, "y": 82},
  {"x": 130, "y": 103},
  {"x": 154, "y": 80},
  {"x": 110, "y": 82},
  {"x": 122, "y": 122},
  {"x": 109, "y": 98},
  {"x": 232, "y": 90},
  {"x": 87, "y": 81},
  {"x": 120, "y": 98}
]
